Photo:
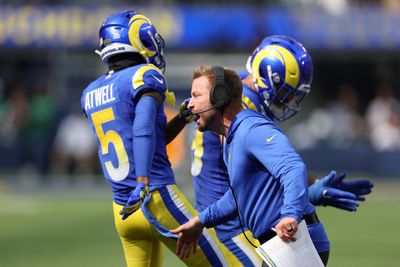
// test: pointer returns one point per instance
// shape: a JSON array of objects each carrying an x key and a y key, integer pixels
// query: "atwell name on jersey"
[{"x": 99, "y": 96}]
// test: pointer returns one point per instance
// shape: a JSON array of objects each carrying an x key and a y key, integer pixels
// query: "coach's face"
[{"x": 200, "y": 101}]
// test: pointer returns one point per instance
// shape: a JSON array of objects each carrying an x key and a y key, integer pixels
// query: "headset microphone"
[{"x": 187, "y": 113}]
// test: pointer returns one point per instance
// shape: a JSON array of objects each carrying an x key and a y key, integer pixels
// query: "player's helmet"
[
  {"x": 129, "y": 31},
  {"x": 282, "y": 72}
]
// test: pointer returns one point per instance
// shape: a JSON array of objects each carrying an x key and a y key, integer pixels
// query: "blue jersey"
[
  {"x": 260, "y": 162},
  {"x": 210, "y": 178},
  {"x": 109, "y": 104}
]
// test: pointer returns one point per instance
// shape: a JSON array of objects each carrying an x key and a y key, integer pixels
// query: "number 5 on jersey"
[{"x": 99, "y": 118}]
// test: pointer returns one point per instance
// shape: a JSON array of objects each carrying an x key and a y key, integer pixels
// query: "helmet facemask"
[{"x": 285, "y": 102}]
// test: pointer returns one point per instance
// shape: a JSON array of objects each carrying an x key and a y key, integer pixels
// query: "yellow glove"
[{"x": 185, "y": 115}]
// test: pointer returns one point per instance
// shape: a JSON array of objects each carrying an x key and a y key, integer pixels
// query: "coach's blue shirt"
[
  {"x": 268, "y": 176},
  {"x": 109, "y": 104}
]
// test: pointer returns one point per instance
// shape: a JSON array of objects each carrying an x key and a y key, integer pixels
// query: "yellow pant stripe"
[{"x": 247, "y": 248}]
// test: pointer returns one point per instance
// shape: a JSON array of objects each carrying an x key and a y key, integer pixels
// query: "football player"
[{"x": 125, "y": 108}]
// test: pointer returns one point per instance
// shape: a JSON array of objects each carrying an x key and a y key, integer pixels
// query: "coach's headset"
[{"x": 220, "y": 94}]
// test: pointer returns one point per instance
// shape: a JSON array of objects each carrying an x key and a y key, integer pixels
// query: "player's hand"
[
  {"x": 135, "y": 200},
  {"x": 286, "y": 228},
  {"x": 323, "y": 193},
  {"x": 185, "y": 115},
  {"x": 358, "y": 187},
  {"x": 189, "y": 234}
]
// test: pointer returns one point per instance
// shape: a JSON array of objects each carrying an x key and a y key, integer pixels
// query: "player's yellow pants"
[
  {"x": 243, "y": 250},
  {"x": 142, "y": 241}
]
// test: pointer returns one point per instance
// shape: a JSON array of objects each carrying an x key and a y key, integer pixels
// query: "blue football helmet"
[
  {"x": 282, "y": 72},
  {"x": 129, "y": 31}
]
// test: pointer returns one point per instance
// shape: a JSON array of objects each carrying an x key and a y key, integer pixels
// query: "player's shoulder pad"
[
  {"x": 148, "y": 76},
  {"x": 247, "y": 103},
  {"x": 250, "y": 100}
]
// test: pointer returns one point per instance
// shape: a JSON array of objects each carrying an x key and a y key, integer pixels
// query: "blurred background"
[{"x": 55, "y": 207}]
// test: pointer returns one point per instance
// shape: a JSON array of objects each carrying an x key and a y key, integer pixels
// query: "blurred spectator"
[
  {"x": 14, "y": 115},
  {"x": 392, "y": 6},
  {"x": 339, "y": 125},
  {"x": 14, "y": 118},
  {"x": 383, "y": 117},
  {"x": 75, "y": 146},
  {"x": 39, "y": 132},
  {"x": 334, "y": 8}
]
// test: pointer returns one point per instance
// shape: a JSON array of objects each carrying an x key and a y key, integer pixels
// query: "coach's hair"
[{"x": 231, "y": 79}]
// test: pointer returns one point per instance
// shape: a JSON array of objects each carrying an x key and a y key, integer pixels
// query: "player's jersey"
[
  {"x": 210, "y": 181},
  {"x": 109, "y": 104}
]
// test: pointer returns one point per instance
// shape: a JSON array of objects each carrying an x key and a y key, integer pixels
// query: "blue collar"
[{"x": 237, "y": 120}]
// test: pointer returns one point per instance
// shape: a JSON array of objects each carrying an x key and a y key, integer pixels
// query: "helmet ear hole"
[{"x": 146, "y": 43}]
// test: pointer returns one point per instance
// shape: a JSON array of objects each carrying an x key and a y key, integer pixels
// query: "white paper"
[{"x": 277, "y": 253}]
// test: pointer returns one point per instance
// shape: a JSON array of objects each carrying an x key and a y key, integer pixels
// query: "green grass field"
[{"x": 74, "y": 228}]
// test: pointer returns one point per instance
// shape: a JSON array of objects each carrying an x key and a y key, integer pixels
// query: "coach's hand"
[
  {"x": 184, "y": 113},
  {"x": 322, "y": 192},
  {"x": 135, "y": 200},
  {"x": 286, "y": 228},
  {"x": 189, "y": 234}
]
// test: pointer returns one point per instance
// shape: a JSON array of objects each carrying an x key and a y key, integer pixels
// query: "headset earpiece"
[{"x": 220, "y": 95}]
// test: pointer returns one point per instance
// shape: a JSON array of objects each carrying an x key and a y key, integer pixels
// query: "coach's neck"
[{"x": 229, "y": 114}]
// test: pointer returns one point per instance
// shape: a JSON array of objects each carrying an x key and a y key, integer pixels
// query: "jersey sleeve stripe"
[{"x": 137, "y": 78}]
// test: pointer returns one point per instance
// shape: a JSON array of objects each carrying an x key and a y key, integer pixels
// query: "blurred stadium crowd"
[
  {"x": 341, "y": 124},
  {"x": 352, "y": 119}
]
